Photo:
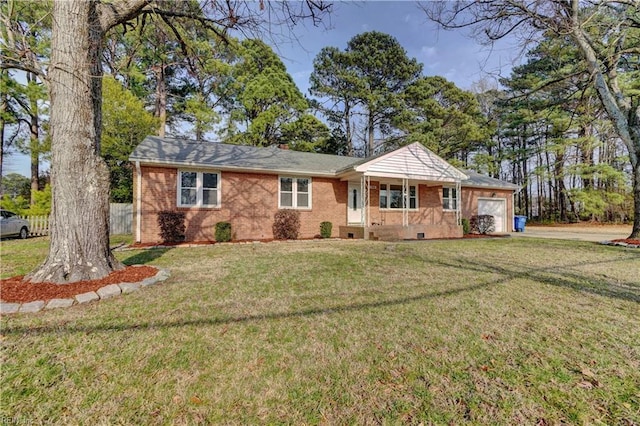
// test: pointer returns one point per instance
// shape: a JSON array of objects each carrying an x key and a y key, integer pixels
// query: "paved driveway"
[{"x": 576, "y": 232}]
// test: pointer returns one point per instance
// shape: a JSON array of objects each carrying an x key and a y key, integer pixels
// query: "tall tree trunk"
[
  {"x": 371, "y": 134},
  {"x": 161, "y": 100},
  {"x": 347, "y": 119},
  {"x": 3, "y": 108},
  {"x": 623, "y": 112},
  {"x": 34, "y": 141},
  {"x": 635, "y": 233},
  {"x": 79, "y": 248}
]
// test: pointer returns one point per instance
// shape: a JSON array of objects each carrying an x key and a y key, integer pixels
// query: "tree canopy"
[{"x": 606, "y": 34}]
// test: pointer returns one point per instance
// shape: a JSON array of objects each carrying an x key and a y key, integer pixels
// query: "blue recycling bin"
[{"x": 519, "y": 222}]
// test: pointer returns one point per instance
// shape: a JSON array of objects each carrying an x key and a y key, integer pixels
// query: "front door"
[{"x": 354, "y": 210}]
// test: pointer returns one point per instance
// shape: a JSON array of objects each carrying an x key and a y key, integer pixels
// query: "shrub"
[
  {"x": 466, "y": 226},
  {"x": 325, "y": 229},
  {"x": 286, "y": 224},
  {"x": 483, "y": 224},
  {"x": 172, "y": 226},
  {"x": 223, "y": 232}
]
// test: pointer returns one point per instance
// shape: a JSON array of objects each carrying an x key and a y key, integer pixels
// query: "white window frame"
[
  {"x": 450, "y": 198},
  {"x": 199, "y": 189},
  {"x": 388, "y": 191},
  {"x": 294, "y": 192}
]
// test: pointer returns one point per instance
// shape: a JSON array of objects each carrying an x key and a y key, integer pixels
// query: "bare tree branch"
[{"x": 112, "y": 14}]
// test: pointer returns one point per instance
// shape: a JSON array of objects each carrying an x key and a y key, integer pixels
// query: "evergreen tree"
[{"x": 125, "y": 123}]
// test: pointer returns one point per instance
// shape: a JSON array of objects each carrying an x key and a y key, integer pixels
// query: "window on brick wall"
[
  {"x": 449, "y": 198},
  {"x": 198, "y": 189},
  {"x": 294, "y": 193},
  {"x": 391, "y": 197}
]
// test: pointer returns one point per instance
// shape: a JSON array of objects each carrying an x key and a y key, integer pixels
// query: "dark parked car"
[{"x": 13, "y": 225}]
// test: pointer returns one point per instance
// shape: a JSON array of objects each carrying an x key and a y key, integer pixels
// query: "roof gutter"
[{"x": 232, "y": 168}]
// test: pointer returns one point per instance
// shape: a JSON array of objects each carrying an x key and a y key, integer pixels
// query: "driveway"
[{"x": 578, "y": 232}]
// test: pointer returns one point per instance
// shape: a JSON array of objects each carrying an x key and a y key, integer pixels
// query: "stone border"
[
  {"x": 619, "y": 243},
  {"x": 105, "y": 292}
]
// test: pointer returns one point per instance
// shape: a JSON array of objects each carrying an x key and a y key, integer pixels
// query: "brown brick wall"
[
  {"x": 248, "y": 201},
  {"x": 470, "y": 202},
  {"x": 429, "y": 212}
]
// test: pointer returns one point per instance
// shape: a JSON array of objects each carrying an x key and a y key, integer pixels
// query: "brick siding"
[{"x": 249, "y": 202}]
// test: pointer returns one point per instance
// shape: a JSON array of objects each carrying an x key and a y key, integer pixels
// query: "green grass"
[{"x": 500, "y": 331}]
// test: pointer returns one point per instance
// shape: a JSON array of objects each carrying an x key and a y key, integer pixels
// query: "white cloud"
[{"x": 429, "y": 51}]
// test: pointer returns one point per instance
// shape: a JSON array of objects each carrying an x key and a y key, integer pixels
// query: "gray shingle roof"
[
  {"x": 479, "y": 180},
  {"x": 185, "y": 152}
]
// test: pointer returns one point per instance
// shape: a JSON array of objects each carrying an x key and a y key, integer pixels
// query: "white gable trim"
[{"x": 413, "y": 161}]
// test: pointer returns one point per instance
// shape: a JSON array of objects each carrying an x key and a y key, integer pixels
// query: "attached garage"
[
  {"x": 485, "y": 195},
  {"x": 496, "y": 207}
]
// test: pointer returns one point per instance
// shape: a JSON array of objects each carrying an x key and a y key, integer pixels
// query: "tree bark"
[
  {"x": 619, "y": 109},
  {"x": 161, "y": 99},
  {"x": 371, "y": 141},
  {"x": 34, "y": 142},
  {"x": 79, "y": 248},
  {"x": 3, "y": 107}
]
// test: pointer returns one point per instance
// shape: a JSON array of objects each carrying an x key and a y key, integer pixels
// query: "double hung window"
[
  {"x": 294, "y": 193},
  {"x": 198, "y": 189},
  {"x": 449, "y": 198}
]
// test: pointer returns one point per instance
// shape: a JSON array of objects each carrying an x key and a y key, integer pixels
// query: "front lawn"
[{"x": 501, "y": 331}]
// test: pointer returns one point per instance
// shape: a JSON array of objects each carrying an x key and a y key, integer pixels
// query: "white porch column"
[
  {"x": 405, "y": 202},
  {"x": 365, "y": 188},
  {"x": 458, "y": 203}
]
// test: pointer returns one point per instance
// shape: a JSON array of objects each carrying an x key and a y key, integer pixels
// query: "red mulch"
[
  {"x": 16, "y": 290},
  {"x": 627, "y": 240}
]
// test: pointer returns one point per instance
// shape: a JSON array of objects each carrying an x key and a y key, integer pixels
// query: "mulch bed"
[
  {"x": 15, "y": 290},
  {"x": 627, "y": 240}
]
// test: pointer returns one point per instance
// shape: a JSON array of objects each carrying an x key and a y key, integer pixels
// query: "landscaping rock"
[
  {"x": 162, "y": 275},
  {"x": 87, "y": 297},
  {"x": 59, "y": 303},
  {"x": 109, "y": 291},
  {"x": 32, "y": 306},
  {"x": 148, "y": 281},
  {"x": 9, "y": 308},
  {"x": 129, "y": 287}
]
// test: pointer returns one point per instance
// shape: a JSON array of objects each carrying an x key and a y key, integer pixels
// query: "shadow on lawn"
[
  {"x": 560, "y": 276},
  {"x": 242, "y": 319},
  {"x": 556, "y": 276},
  {"x": 145, "y": 256}
]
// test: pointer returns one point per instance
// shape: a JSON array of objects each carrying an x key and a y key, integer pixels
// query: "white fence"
[{"x": 120, "y": 218}]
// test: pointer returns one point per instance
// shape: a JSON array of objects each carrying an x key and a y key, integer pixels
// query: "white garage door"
[{"x": 496, "y": 208}]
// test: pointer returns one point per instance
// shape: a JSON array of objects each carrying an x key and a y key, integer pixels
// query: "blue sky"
[{"x": 451, "y": 54}]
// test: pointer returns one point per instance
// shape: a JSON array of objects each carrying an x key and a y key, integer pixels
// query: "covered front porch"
[{"x": 410, "y": 193}]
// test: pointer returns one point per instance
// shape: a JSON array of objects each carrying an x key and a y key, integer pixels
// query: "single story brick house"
[{"x": 409, "y": 193}]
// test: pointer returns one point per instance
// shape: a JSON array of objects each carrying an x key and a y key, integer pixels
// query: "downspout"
[
  {"x": 513, "y": 210},
  {"x": 138, "y": 202}
]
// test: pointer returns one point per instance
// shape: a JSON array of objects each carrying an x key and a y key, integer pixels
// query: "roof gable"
[{"x": 413, "y": 161}]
